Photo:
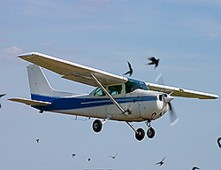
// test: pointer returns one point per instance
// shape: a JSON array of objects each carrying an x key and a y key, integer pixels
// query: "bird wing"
[
  {"x": 163, "y": 159},
  {"x": 130, "y": 67},
  {"x": 153, "y": 59},
  {"x": 1, "y": 95},
  {"x": 158, "y": 163}
]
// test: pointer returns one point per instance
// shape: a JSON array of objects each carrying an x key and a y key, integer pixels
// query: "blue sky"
[{"x": 105, "y": 34}]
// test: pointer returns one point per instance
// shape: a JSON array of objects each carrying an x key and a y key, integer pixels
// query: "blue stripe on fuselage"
[{"x": 68, "y": 103}]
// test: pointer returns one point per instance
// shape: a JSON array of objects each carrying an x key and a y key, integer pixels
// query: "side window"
[
  {"x": 129, "y": 87},
  {"x": 99, "y": 92},
  {"x": 115, "y": 90}
]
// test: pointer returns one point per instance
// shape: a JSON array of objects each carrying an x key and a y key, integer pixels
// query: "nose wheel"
[{"x": 151, "y": 132}]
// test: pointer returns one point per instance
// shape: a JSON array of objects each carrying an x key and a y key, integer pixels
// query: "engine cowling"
[{"x": 154, "y": 107}]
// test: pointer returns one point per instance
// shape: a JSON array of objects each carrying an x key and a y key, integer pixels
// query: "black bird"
[
  {"x": 130, "y": 72},
  {"x": 153, "y": 61},
  {"x": 88, "y": 159},
  {"x": 161, "y": 162},
  {"x": 73, "y": 155},
  {"x": 195, "y": 167},
  {"x": 219, "y": 142},
  {"x": 1, "y": 95},
  {"x": 113, "y": 157},
  {"x": 37, "y": 140}
]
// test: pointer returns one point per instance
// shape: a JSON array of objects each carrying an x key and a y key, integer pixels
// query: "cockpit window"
[
  {"x": 99, "y": 92},
  {"x": 115, "y": 90},
  {"x": 132, "y": 85}
]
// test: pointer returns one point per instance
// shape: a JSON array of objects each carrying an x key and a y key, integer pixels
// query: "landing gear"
[
  {"x": 97, "y": 125},
  {"x": 139, "y": 134},
  {"x": 150, "y": 130}
]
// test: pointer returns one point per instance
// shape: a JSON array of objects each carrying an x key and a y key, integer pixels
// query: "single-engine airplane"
[{"x": 114, "y": 98}]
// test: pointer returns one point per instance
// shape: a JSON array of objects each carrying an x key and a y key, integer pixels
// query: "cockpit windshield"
[
  {"x": 120, "y": 89},
  {"x": 113, "y": 90},
  {"x": 132, "y": 85}
]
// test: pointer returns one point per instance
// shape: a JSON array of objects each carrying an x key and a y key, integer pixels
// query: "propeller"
[
  {"x": 167, "y": 99},
  {"x": 173, "y": 116}
]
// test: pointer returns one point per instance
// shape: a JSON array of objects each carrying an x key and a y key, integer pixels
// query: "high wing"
[
  {"x": 72, "y": 71},
  {"x": 84, "y": 74},
  {"x": 180, "y": 92}
]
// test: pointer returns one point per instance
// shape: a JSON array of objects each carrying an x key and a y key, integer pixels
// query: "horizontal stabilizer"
[{"x": 30, "y": 102}]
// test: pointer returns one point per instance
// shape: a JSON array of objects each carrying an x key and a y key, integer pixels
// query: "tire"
[
  {"x": 139, "y": 134},
  {"x": 97, "y": 126},
  {"x": 150, "y": 133}
]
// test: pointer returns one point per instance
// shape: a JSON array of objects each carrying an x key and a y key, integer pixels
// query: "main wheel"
[
  {"x": 97, "y": 125},
  {"x": 150, "y": 132},
  {"x": 139, "y": 134}
]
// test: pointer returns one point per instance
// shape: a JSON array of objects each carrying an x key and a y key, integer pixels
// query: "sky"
[{"x": 105, "y": 34}]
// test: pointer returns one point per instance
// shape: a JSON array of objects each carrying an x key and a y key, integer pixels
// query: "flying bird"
[
  {"x": 113, "y": 157},
  {"x": 1, "y": 95},
  {"x": 130, "y": 72},
  {"x": 88, "y": 159},
  {"x": 153, "y": 61},
  {"x": 73, "y": 155},
  {"x": 195, "y": 167},
  {"x": 219, "y": 142},
  {"x": 37, "y": 140},
  {"x": 161, "y": 162}
]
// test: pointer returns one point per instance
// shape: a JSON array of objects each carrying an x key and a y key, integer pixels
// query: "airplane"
[{"x": 114, "y": 98}]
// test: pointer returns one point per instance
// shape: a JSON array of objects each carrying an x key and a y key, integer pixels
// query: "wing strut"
[
  {"x": 109, "y": 95},
  {"x": 126, "y": 112}
]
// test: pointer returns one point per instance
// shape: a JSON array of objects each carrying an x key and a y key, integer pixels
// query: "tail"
[{"x": 39, "y": 85}]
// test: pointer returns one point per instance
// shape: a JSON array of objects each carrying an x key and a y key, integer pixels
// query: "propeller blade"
[
  {"x": 167, "y": 99},
  {"x": 159, "y": 79},
  {"x": 173, "y": 116}
]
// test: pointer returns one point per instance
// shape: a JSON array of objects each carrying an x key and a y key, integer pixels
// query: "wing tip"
[{"x": 29, "y": 54}]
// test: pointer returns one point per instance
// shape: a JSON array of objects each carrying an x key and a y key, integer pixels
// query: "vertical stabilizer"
[{"x": 39, "y": 84}]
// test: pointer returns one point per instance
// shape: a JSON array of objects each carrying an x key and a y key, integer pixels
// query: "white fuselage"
[{"x": 140, "y": 104}]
